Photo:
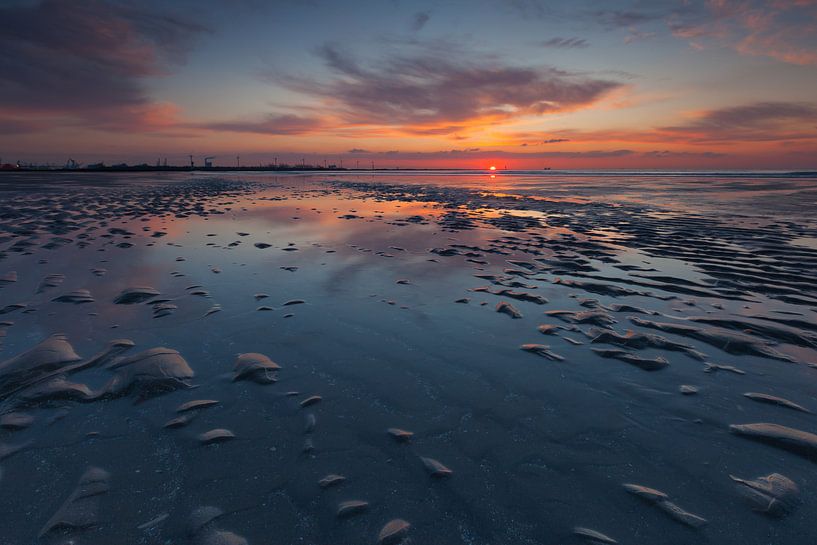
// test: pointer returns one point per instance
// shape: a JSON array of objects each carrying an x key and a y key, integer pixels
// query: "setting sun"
[{"x": 492, "y": 167}]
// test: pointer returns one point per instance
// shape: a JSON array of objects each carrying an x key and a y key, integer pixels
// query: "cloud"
[
  {"x": 669, "y": 154},
  {"x": 434, "y": 94},
  {"x": 470, "y": 156},
  {"x": 534, "y": 138},
  {"x": 478, "y": 153},
  {"x": 635, "y": 35},
  {"x": 757, "y": 115},
  {"x": 338, "y": 60},
  {"x": 732, "y": 125},
  {"x": 431, "y": 131},
  {"x": 779, "y": 29},
  {"x": 759, "y": 121},
  {"x": 565, "y": 43},
  {"x": 86, "y": 60},
  {"x": 286, "y": 124},
  {"x": 419, "y": 21},
  {"x": 612, "y": 19}
]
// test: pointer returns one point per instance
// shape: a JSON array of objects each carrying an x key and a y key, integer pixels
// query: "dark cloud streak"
[
  {"x": 612, "y": 19},
  {"x": 565, "y": 43},
  {"x": 477, "y": 153},
  {"x": 760, "y": 121},
  {"x": 270, "y": 125}
]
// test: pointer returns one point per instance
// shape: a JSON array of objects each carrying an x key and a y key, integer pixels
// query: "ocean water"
[{"x": 547, "y": 338}]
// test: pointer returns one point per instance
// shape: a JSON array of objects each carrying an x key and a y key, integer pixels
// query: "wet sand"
[{"x": 457, "y": 359}]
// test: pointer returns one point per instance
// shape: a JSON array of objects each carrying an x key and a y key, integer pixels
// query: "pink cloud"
[{"x": 785, "y": 30}]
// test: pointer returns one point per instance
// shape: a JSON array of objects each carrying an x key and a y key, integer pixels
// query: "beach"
[{"x": 446, "y": 358}]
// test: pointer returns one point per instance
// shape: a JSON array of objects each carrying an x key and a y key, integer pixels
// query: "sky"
[{"x": 520, "y": 84}]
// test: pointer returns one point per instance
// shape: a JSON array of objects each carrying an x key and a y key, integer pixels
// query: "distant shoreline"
[
  {"x": 290, "y": 169},
  {"x": 227, "y": 169}
]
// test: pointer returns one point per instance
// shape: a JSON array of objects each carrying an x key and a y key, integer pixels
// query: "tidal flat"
[{"x": 427, "y": 358}]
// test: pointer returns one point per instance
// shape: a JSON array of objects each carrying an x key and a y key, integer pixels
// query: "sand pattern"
[{"x": 292, "y": 359}]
